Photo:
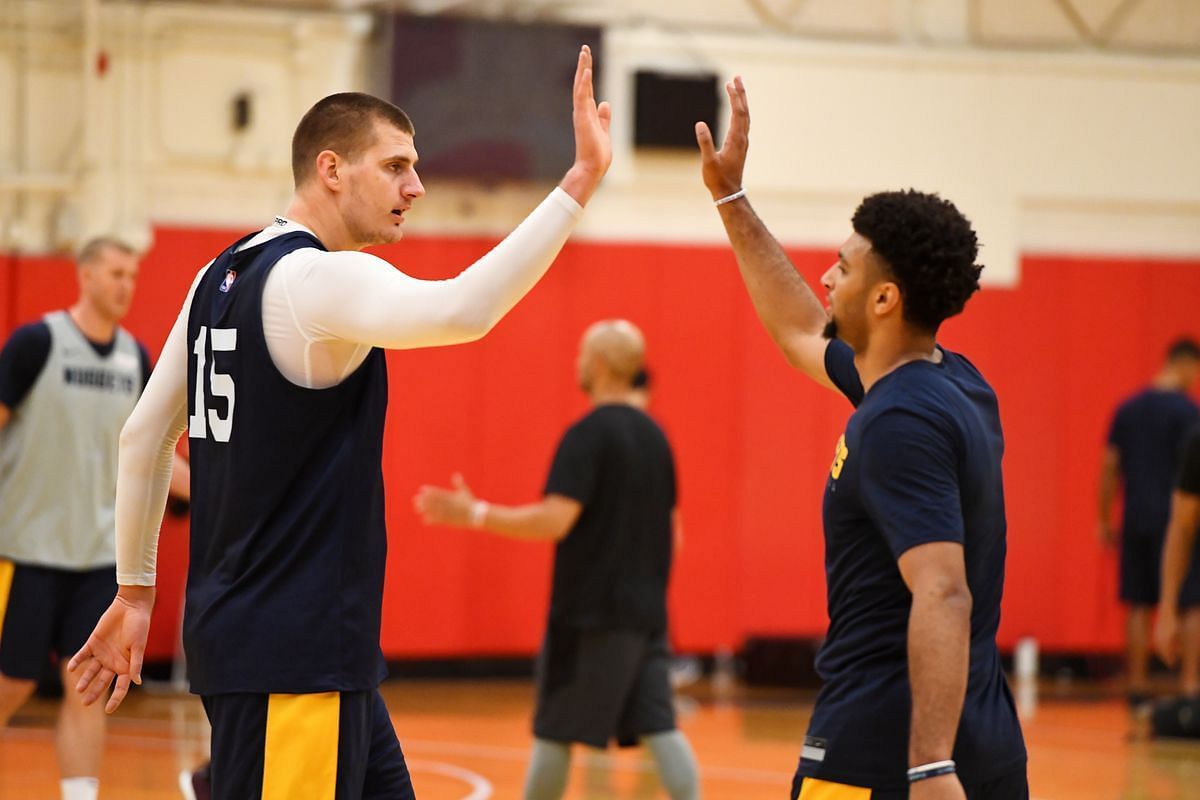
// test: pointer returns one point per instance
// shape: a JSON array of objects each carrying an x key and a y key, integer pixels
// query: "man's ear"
[
  {"x": 887, "y": 298},
  {"x": 329, "y": 166}
]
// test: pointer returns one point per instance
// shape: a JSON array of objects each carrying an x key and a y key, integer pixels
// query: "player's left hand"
[
  {"x": 116, "y": 648},
  {"x": 943, "y": 787},
  {"x": 438, "y": 506},
  {"x": 593, "y": 143}
]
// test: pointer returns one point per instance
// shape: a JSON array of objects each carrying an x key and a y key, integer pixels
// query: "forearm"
[
  {"x": 782, "y": 298},
  {"x": 939, "y": 635},
  {"x": 530, "y": 522},
  {"x": 144, "y": 472},
  {"x": 1174, "y": 566},
  {"x": 1177, "y": 549}
]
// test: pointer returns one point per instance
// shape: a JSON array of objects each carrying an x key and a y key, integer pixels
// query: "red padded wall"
[{"x": 753, "y": 439}]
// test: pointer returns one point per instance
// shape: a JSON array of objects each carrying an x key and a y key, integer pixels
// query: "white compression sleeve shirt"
[{"x": 322, "y": 313}]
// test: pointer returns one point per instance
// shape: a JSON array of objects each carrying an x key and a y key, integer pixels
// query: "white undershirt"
[{"x": 322, "y": 313}]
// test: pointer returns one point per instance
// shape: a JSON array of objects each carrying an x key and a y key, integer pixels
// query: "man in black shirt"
[
  {"x": 914, "y": 703},
  {"x": 1177, "y": 630},
  {"x": 610, "y": 505},
  {"x": 1142, "y": 457}
]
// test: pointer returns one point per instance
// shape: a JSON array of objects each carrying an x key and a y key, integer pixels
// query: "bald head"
[{"x": 613, "y": 346}]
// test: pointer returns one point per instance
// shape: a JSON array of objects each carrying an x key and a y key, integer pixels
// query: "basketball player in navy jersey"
[
  {"x": 274, "y": 368},
  {"x": 914, "y": 703}
]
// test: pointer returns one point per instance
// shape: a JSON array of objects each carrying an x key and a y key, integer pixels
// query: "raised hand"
[
  {"x": 115, "y": 648},
  {"x": 593, "y": 145},
  {"x": 722, "y": 169},
  {"x": 438, "y": 506}
]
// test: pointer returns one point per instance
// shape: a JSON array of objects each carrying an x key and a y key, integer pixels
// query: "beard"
[{"x": 831, "y": 330}]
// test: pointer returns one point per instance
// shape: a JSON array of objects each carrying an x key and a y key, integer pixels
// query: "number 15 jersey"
[{"x": 285, "y": 581}]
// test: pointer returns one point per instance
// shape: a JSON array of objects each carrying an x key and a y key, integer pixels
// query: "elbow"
[
  {"x": 131, "y": 436},
  {"x": 464, "y": 324},
  {"x": 950, "y": 593}
]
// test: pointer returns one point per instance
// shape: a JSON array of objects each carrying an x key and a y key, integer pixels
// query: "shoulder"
[
  {"x": 30, "y": 338},
  {"x": 1132, "y": 403},
  {"x": 917, "y": 403},
  {"x": 312, "y": 261}
]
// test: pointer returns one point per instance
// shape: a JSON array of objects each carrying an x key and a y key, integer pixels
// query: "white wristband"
[
  {"x": 479, "y": 510},
  {"x": 729, "y": 198},
  {"x": 931, "y": 770}
]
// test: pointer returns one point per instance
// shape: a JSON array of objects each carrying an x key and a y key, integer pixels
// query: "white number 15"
[{"x": 224, "y": 340}]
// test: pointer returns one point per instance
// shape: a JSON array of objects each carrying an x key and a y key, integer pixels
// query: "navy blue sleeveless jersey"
[
  {"x": 285, "y": 584},
  {"x": 919, "y": 462}
]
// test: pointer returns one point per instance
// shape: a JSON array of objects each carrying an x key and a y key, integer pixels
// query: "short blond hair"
[{"x": 93, "y": 249}]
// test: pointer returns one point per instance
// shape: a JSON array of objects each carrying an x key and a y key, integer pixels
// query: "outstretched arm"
[
  {"x": 550, "y": 519},
  {"x": 358, "y": 298},
  {"x": 788, "y": 308}
]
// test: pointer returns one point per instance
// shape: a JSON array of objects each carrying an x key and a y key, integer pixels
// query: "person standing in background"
[
  {"x": 609, "y": 504},
  {"x": 1140, "y": 462},
  {"x": 67, "y": 384}
]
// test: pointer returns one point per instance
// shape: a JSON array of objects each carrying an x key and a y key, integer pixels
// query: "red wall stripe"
[{"x": 753, "y": 439}]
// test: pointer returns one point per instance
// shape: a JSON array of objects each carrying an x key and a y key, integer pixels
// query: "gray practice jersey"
[{"x": 58, "y": 453}]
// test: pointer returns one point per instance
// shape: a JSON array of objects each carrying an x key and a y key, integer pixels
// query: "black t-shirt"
[
  {"x": 26, "y": 352},
  {"x": 919, "y": 462},
  {"x": 1148, "y": 431},
  {"x": 611, "y": 569}
]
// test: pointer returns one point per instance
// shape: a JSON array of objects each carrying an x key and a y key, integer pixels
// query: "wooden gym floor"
[{"x": 469, "y": 741}]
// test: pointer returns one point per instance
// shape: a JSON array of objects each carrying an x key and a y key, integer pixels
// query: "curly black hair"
[{"x": 929, "y": 248}]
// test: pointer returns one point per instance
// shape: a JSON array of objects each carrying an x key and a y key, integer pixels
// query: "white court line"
[{"x": 481, "y": 788}]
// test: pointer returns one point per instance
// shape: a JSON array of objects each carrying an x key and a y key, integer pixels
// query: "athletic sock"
[
  {"x": 548, "y": 765},
  {"x": 79, "y": 788},
  {"x": 676, "y": 764}
]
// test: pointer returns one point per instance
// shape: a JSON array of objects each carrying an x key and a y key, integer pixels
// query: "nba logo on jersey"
[{"x": 227, "y": 284}]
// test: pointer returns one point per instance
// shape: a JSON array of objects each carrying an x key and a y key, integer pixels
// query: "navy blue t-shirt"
[
  {"x": 285, "y": 580},
  {"x": 1148, "y": 431},
  {"x": 919, "y": 462}
]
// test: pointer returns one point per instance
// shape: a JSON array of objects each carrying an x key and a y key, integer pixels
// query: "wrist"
[
  {"x": 931, "y": 769},
  {"x": 477, "y": 516},
  {"x": 581, "y": 182},
  {"x": 142, "y": 596},
  {"x": 736, "y": 194}
]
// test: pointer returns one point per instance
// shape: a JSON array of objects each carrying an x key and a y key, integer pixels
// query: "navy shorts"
[
  {"x": 327, "y": 746},
  {"x": 596, "y": 685},
  {"x": 1014, "y": 786},
  {"x": 45, "y": 611},
  {"x": 1141, "y": 561}
]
